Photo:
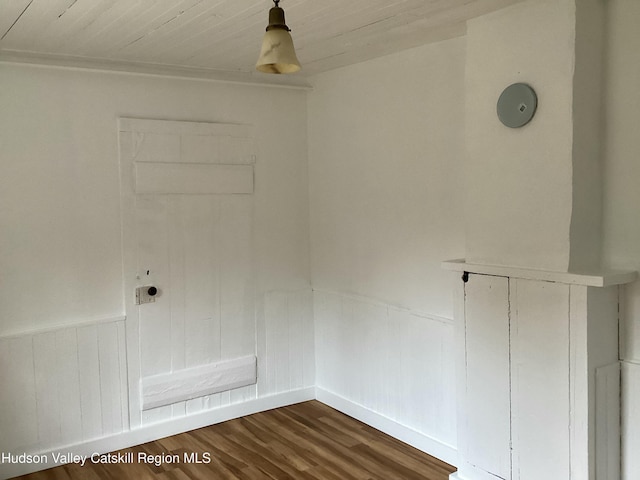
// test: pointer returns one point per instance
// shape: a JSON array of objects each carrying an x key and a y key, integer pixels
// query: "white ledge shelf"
[{"x": 589, "y": 279}]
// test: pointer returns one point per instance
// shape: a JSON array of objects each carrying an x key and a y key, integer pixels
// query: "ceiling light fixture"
[{"x": 277, "y": 54}]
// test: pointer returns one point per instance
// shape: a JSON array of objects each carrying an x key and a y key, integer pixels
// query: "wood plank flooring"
[{"x": 307, "y": 441}]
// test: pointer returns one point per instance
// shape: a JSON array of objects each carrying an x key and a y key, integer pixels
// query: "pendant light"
[{"x": 277, "y": 54}]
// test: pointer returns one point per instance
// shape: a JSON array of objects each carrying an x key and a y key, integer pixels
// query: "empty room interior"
[{"x": 432, "y": 227}]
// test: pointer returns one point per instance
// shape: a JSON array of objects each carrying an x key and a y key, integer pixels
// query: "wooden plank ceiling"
[{"x": 225, "y": 35}]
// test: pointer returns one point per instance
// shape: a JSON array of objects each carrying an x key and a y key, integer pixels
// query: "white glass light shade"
[{"x": 277, "y": 54}]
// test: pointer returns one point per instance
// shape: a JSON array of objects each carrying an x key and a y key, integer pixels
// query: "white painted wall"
[
  {"x": 386, "y": 150},
  {"x": 621, "y": 201},
  {"x": 622, "y": 168},
  {"x": 391, "y": 367},
  {"x": 60, "y": 184},
  {"x": 526, "y": 205},
  {"x": 386, "y": 153},
  {"x": 588, "y": 136},
  {"x": 61, "y": 254},
  {"x": 519, "y": 181},
  {"x": 61, "y": 387}
]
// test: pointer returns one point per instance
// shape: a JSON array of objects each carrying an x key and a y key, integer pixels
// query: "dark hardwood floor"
[{"x": 308, "y": 441}]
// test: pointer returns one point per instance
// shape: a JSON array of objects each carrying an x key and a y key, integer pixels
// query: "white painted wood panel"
[
  {"x": 222, "y": 35},
  {"x": 69, "y": 385},
  {"x": 152, "y": 17},
  {"x": 488, "y": 389},
  {"x": 372, "y": 350},
  {"x": 426, "y": 372},
  {"x": 123, "y": 27},
  {"x": 540, "y": 370},
  {"x": 153, "y": 269},
  {"x": 66, "y": 387},
  {"x": 196, "y": 249},
  {"x": 395, "y": 362},
  {"x": 73, "y": 21},
  {"x": 127, "y": 148},
  {"x": 47, "y": 396},
  {"x": 184, "y": 129},
  {"x": 11, "y": 12},
  {"x": 155, "y": 146},
  {"x": 18, "y": 407},
  {"x": 286, "y": 342},
  {"x": 593, "y": 346},
  {"x": 630, "y": 418},
  {"x": 298, "y": 311},
  {"x": 277, "y": 341},
  {"x": 218, "y": 149},
  {"x": 35, "y": 15},
  {"x": 604, "y": 375},
  {"x": 89, "y": 377},
  {"x": 122, "y": 375},
  {"x": 186, "y": 384},
  {"x": 5, "y": 400},
  {"x": 234, "y": 234},
  {"x": 327, "y": 313},
  {"x": 189, "y": 142},
  {"x": 177, "y": 178},
  {"x": 582, "y": 451},
  {"x": 177, "y": 253},
  {"x": 607, "y": 422},
  {"x": 110, "y": 392},
  {"x": 565, "y": 384},
  {"x": 605, "y": 278},
  {"x": 201, "y": 279}
]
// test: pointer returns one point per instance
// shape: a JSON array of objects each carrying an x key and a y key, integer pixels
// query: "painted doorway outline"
[{"x": 211, "y": 149}]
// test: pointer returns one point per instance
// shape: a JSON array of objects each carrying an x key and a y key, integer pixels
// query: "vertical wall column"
[
  {"x": 534, "y": 193},
  {"x": 534, "y": 212}
]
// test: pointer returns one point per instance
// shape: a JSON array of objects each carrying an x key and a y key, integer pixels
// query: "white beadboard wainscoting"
[
  {"x": 285, "y": 357},
  {"x": 286, "y": 354},
  {"x": 390, "y": 367},
  {"x": 62, "y": 386},
  {"x": 630, "y": 418},
  {"x": 69, "y": 385}
]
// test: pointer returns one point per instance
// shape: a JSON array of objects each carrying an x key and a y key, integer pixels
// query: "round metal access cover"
[{"x": 517, "y": 105}]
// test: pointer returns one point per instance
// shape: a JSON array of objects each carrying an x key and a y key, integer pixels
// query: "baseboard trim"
[
  {"x": 164, "y": 429},
  {"x": 422, "y": 442}
]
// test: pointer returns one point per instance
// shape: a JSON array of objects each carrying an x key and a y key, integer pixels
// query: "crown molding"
[{"x": 137, "y": 68}]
